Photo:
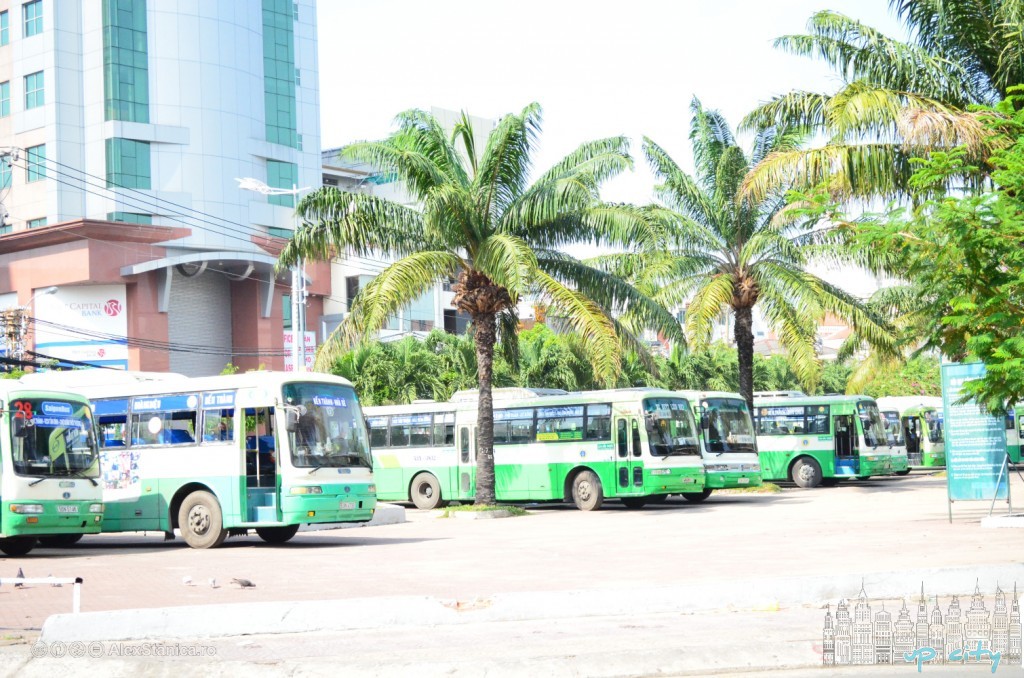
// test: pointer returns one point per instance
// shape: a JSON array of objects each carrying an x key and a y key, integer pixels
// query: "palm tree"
[
  {"x": 898, "y": 98},
  {"x": 483, "y": 223},
  {"x": 733, "y": 255}
]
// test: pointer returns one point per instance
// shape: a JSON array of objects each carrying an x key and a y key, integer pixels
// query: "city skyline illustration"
[{"x": 964, "y": 634}]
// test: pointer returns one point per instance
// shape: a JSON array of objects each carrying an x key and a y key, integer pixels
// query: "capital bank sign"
[
  {"x": 111, "y": 308},
  {"x": 85, "y": 323}
]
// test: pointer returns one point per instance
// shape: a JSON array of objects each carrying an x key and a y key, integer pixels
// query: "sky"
[{"x": 597, "y": 68}]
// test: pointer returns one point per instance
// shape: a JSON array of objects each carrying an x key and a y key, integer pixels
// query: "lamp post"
[
  {"x": 298, "y": 278},
  {"x": 15, "y": 325}
]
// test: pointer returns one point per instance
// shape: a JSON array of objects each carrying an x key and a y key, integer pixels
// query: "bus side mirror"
[
  {"x": 705, "y": 421},
  {"x": 291, "y": 421},
  {"x": 20, "y": 428}
]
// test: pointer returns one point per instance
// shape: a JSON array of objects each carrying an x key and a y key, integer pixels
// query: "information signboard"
[{"x": 975, "y": 441}]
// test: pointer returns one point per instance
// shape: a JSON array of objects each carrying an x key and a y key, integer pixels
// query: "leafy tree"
[
  {"x": 965, "y": 250},
  {"x": 484, "y": 224},
  {"x": 730, "y": 255},
  {"x": 898, "y": 98}
]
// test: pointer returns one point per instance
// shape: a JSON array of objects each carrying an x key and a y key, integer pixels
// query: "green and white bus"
[
  {"x": 1014, "y": 432},
  {"x": 220, "y": 456},
  {"x": 728, "y": 444},
  {"x": 49, "y": 468},
  {"x": 814, "y": 438},
  {"x": 917, "y": 420},
  {"x": 635, "y": 445}
]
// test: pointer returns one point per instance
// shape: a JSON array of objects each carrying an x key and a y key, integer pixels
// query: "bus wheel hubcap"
[
  {"x": 427, "y": 491},
  {"x": 199, "y": 519},
  {"x": 584, "y": 491}
]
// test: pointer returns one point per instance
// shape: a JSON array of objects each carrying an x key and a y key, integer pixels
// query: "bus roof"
[
  {"x": 810, "y": 400},
  {"x": 903, "y": 404},
  {"x": 12, "y": 388},
  {"x": 112, "y": 383},
  {"x": 564, "y": 398}
]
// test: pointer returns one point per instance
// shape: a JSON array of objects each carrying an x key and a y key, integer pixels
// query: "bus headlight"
[
  {"x": 307, "y": 489},
  {"x": 95, "y": 508},
  {"x": 715, "y": 468},
  {"x": 26, "y": 508},
  {"x": 371, "y": 488},
  {"x": 661, "y": 471}
]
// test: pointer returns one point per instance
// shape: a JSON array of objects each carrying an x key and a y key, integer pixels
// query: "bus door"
[
  {"x": 629, "y": 470},
  {"x": 846, "y": 462},
  {"x": 912, "y": 432},
  {"x": 464, "y": 481},
  {"x": 262, "y": 493}
]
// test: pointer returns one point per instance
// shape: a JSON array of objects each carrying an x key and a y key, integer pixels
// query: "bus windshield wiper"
[
  {"x": 80, "y": 473},
  {"x": 38, "y": 480}
]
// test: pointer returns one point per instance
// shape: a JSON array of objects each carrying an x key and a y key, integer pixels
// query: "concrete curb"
[{"x": 212, "y": 621}]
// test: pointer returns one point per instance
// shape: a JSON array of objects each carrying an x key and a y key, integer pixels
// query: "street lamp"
[
  {"x": 15, "y": 325},
  {"x": 298, "y": 278}
]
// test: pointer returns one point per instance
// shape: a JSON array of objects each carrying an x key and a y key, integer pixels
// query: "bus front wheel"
[
  {"x": 277, "y": 535},
  {"x": 426, "y": 492},
  {"x": 201, "y": 522},
  {"x": 59, "y": 540},
  {"x": 587, "y": 493},
  {"x": 806, "y": 472},
  {"x": 17, "y": 546},
  {"x": 697, "y": 497}
]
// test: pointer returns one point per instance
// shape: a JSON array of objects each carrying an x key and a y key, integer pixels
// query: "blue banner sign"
[
  {"x": 104, "y": 407},
  {"x": 975, "y": 440},
  {"x": 165, "y": 403},
  {"x": 57, "y": 409}
]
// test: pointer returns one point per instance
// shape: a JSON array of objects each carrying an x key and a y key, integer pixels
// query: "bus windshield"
[
  {"x": 871, "y": 422},
  {"x": 330, "y": 430},
  {"x": 729, "y": 428},
  {"x": 934, "y": 421},
  {"x": 893, "y": 428},
  {"x": 52, "y": 437},
  {"x": 670, "y": 427}
]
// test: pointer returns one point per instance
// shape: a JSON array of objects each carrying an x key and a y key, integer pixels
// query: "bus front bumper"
[
  {"x": 331, "y": 505},
  {"x": 724, "y": 480},
  {"x": 33, "y": 517},
  {"x": 673, "y": 480}
]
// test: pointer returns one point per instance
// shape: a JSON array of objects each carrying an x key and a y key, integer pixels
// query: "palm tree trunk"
[
  {"x": 743, "y": 333},
  {"x": 485, "y": 336}
]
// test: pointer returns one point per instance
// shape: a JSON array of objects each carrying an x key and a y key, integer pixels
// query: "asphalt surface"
[{"x": 744, "y": 579}]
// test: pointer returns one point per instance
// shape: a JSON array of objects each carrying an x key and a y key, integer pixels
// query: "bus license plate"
[
  {"x": 62, "y": 508},
  {"x": 743, "y": 481},
  {"x": 347, "y": 505}
]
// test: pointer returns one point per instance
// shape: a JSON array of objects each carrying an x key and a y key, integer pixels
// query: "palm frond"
[
  {"x": 505, "y": 165},
  {"x": 337, "y": 220},
  {"x": 708, "y": 303},
  {"x": 507, "y": 260}
]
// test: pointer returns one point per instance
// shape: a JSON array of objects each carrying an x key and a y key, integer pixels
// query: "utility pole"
[{"x": 14, "y": 322}]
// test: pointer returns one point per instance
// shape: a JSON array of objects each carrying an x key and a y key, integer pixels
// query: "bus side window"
[
  {"x": 636, "y": 438},
  {"x": 623, "y": 438},
  {"x": 464, "y": 444}
]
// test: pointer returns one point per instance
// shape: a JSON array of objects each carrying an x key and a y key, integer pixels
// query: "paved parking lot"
[{"x": 858, "y": 528}]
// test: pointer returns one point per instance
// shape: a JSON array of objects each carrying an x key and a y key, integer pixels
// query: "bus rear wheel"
[
  {"x": 277, "y": 535},
  {"x": 17, "y": 546},
  {"x": 587, "y": 493},
  {"x": 634, "y": 502},
  {"x": 426, "y": 492},
  {"x": 201, "y": 521},
  {"x": 806, "y": 472},
  {"x": 59, "y": 540},
  {"x": 697, "y": 497}
]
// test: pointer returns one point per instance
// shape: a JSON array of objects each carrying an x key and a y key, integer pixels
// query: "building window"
[
  {"x": 130, "y": 218},
  {"x": 5, "y": 30},
  {"x": 5, "y": 99},
  {"x": 284, "y": 233},
  {"x": 33, "y": 13},
  {"x": 298, "y": 77},
  {"x": 34, "y": 96},
  {"x": 286, "y": 310},
  {"x": 279, "y": 72},
  {"x": 36, "y": 223},
  {"x": 125, "y": 61},
  {"x": 36, "y": 169},
  {"x": 282, "y": 175},
  {"x": 5, "y": 173},
  {"x": 128, "y": 164},
  {"x": 296, "y": 11}
]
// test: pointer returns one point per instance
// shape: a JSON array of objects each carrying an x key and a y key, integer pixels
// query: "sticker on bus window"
[
  {"x": 57, "y": 409},
  {"x": 329, "y": 401},
  {"x": 410, "y": 419},
  {"x": 165, "y": 404},
  {"x": 219, "y": 400}
]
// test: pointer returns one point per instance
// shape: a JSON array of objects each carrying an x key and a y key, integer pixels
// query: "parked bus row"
[{"x": 267, "y": 452}]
